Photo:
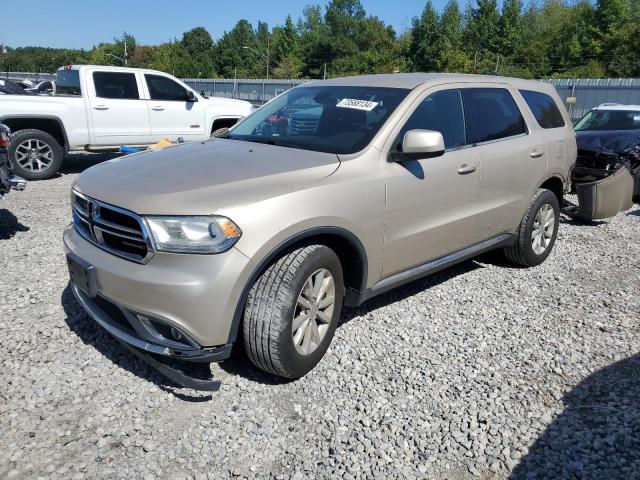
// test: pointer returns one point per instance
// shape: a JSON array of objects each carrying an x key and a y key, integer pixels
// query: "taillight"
[{"x": 5, "y": 137}]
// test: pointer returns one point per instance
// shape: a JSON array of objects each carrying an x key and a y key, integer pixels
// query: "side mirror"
[
  {"x": 191, "y": 97},
  {"x": 419, "y": 144}
]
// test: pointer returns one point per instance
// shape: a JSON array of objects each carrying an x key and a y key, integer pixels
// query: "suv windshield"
[
  {"x": 329, "y": 119},
  {"x": 68, "y": 82},
  {"x": 610, "y": 120}
]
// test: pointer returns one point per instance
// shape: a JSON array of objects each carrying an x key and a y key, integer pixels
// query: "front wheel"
[
  {"x": 35, "y": 155},
  {"x": 537, "y": 232},
  {"x": 292, "y": 311}
]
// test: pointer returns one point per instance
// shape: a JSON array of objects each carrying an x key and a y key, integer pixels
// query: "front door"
[
  {"x": 172, "y": 114},
  {"x": 431, "y": 203},
  {"x": 118, "y": 115}
]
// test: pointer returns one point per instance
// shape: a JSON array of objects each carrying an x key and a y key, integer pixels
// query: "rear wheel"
[
  {"x": 292, "y": 311},
  {"x": 537, "y": 232},
  {"x": 35, "y": 155}
]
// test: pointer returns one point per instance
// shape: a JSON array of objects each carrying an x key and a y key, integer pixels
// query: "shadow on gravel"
[
  {"x": 78, "y": 162},
  {"x": 9, "y": 225},
  {"x": 597, "y": 436},
  {"x": 581, "y": 223},
  {"x": 93, "y": 334},
  {"x": 239, "y": 364},
  {"x": 401, "y": 293},
  {"x": 635, "y": 213}
]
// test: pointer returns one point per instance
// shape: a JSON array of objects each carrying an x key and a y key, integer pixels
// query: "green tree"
[
  {"x": 425, "y": 36},
  {"x": 510, "y": 27},
  {"x": 482, "y": 29}
]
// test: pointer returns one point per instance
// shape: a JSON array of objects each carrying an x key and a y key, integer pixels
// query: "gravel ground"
[{"x": 482, "y": 371}]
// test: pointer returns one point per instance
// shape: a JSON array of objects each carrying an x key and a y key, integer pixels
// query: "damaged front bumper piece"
[
  {"x": 147, "y": 344},
  {"x": 605, "y": 181}
]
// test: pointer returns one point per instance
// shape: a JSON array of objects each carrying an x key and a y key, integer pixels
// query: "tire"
[
  {"x": 49, "y": 161},
  {"x": 523, "y": 252},
  {"x": 274, "y": 300}
]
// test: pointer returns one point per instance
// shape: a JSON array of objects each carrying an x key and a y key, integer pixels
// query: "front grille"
[{"x": 111, "y": 228}]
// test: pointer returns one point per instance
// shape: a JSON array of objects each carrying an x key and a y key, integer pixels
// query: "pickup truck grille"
[
  {"x": 304, "y": 125},
  {"x": 115, "y": 230}
]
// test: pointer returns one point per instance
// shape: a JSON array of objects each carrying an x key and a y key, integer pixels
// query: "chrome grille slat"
[
  {"x": 120, "y": 240},
  {"x": 97, "y": 226},
  {"x": 99, "y": 222}
]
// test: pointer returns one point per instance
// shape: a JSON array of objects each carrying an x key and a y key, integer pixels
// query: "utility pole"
[
  {"x": 325, "y": 71},
  {"x": 126, "y": 57},
  {"x": 497, "y": 63},
  {"x": 475, "y": 61}
]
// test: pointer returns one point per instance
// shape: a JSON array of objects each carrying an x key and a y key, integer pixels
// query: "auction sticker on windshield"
[{"x": 356, "y": 104}]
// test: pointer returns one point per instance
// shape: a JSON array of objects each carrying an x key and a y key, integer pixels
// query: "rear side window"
[
  {"x": 163, "y": 88},
  {"x": 544, "y": 109},
  {"x": 68, "y": 82},
  {"x": 441, "y": 111},
  {"x": 116, "y": 85},
  {"x": 491, "y": 114}
]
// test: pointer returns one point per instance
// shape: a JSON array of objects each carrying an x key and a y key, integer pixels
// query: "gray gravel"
[{"x": 482, "y": 371}]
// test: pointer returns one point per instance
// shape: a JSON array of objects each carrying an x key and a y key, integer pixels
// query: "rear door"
[
  {"x": 557, "y": 131},
  {"x": 118, "y": 114},
  {"x": 513, "y": 157},
  {"x": 171, "y": 114}
]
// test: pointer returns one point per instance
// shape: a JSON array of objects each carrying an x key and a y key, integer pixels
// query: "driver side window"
[
  {"x": 442, "y": 112},
  {"x": 163, "y": 88}
]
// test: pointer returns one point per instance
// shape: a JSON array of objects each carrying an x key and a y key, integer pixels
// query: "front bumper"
[{"x": 195, "y": 294}]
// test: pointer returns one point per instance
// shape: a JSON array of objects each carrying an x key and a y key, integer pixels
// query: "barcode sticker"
[{"x": 356, "y": 104}]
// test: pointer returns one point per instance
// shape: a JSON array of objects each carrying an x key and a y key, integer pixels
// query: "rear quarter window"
[
  {"x": 491, "y": 114},
  {"x": 68, "y": 82},
  {"x": 544, "y": 108}
]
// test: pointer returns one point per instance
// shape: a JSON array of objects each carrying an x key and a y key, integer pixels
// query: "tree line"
[{"x": 547, "y": 38}]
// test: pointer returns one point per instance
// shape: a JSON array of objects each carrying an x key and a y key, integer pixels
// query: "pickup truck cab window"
[
  {"x": 442, "y": 112},
  {"x": 163, "y": 88},
  {"x": 116, "y": 85},
  {"x": 68, "y": 82},
  {"x": 491, "y": 114}
]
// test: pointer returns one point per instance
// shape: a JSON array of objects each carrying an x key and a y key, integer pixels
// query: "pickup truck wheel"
[
  {"x": 35, "y": 155},
  {"x": 537, "y": 232},
  {"x": 292, "y": 311}
]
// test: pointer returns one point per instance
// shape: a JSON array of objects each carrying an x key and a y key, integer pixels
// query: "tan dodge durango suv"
[{"x": 332, "y": 193}]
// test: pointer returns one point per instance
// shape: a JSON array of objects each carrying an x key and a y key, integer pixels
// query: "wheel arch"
[
  {"x": 47, "y": 123},
  {"x": 345, "y": 244},
  {"x": 555, "y": 184},
  {"x": 223, "y": 122}
]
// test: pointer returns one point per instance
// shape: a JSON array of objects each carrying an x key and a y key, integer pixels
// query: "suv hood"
[
  {"x": 614, "y": 140},
  {"x": 203, "y": 178}
]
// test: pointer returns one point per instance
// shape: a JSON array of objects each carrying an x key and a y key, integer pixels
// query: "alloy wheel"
[
  {"x": 313, "y": 311},
  {"x": 34, "y": 155},
  {"x": 543, "y": 228}
]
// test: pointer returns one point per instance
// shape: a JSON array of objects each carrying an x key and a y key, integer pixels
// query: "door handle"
[
  {"x": 537, "y": 153},
  {"x": 158, "y": 108},
  {"x": 464, "y": 169},
  {"x": 101, "y": 107}
]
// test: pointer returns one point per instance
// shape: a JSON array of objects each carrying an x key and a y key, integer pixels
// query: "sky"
[{"x": 85, "y": 23}]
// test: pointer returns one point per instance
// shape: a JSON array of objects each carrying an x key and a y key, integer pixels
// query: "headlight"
[{"x": 193, "y": 234}]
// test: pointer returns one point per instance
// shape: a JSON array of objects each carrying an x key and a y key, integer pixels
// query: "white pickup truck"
[{"x": 102, "y": 108}]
